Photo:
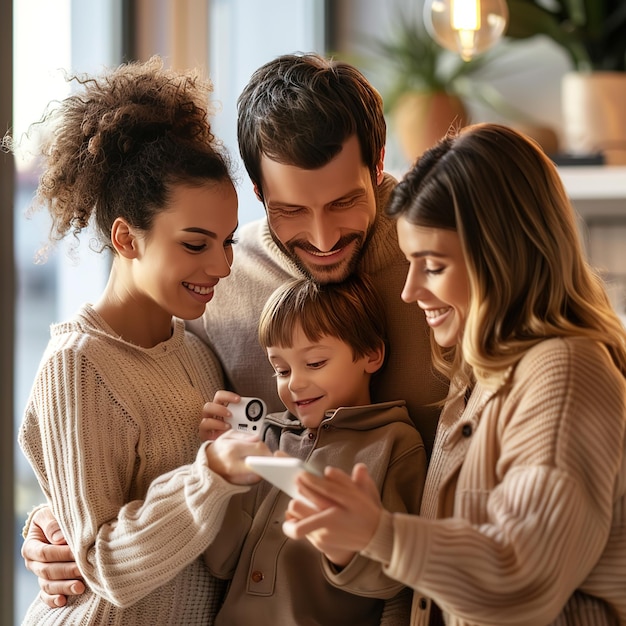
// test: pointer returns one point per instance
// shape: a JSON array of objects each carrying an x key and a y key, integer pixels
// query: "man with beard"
[{"x": 312, "y": 134}]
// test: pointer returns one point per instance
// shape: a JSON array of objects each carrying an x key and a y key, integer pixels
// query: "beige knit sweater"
[
  {"x": 524, "y": 509},
  {"x": 111, "y": 430}
]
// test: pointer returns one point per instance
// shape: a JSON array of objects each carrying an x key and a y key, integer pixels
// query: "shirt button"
[
  {"x": 467, "y": 430},
  {"x": 423, "y": 604},
  {"x": 257, "y": 576},
  {"x": 311, "y": 435}
]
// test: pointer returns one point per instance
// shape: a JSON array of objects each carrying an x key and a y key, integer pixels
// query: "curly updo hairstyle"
[{"x": 121, "y": 141}]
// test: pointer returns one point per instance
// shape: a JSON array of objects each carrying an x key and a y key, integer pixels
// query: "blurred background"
[{"x": 519, "y": 83}]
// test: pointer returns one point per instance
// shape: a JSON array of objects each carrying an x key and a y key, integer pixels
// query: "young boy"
[{"x": 325, "y": 342}]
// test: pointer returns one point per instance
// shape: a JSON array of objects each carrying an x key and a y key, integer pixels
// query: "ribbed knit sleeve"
[
  {"x": 111, "y": 431},
  {"x": 531, "y": 487}
]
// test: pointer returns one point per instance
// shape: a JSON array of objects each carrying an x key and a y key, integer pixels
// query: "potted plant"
[
  {"x": 426, "y": 88},
  {"x": 593, "y": 35},
  {"x": 425, "y": 95}
]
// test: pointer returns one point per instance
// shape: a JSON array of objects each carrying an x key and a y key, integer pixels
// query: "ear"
[
  {"x": 375, "y": 359},
  {"x": 257, "y": 193},
  {"x": 380, "y": 167},
  {"x": 123, "y": 238}
]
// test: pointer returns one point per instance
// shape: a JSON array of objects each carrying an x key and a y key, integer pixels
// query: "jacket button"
[
  {"x": 423, "y": 604},
  {"x": 467, "y": 430},
  {"x": 257, "y": 576}
]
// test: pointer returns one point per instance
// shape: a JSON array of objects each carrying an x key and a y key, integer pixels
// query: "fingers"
[
  {"x": 44, "y": 527},
  {"x": 298, "y": 528},
  {"x": 362, "y": 478},
  {"x": 211, "y": 428},
  {"x": 350, "y": 511},
  {"x": 54, "y": 601},
  {"x": 44, "y": 555},
  {"x": 331, "y": 489},
  {"x": 225, "y": 397},
  {"x": 212, "y": 424},
  {"x": 226, "y": 456},
  {"x": 57, "y": 573},
  {"x": 55, "y": 591}
]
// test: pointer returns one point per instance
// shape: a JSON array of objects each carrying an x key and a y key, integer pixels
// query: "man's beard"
[{"x": 334, "y": 273}]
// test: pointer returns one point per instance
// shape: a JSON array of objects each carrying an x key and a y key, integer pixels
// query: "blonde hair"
[
  {"x": 528, "y": 274},
  {"x": 350, "y": 311}
]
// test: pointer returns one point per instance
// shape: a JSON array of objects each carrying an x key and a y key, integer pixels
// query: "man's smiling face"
[{"x": 321, "y": 218}]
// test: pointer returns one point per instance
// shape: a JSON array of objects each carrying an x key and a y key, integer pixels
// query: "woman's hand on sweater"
[
  {"x": 227, "y": 454},
  {"x": 347, "y": 514}
]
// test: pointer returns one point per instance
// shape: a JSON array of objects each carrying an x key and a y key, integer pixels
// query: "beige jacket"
[
  {"x": 111, "y": 430},
  {"x": 524, "y": 510}
]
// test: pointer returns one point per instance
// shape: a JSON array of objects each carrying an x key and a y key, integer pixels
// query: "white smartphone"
[{"x": 281, "y": 471}]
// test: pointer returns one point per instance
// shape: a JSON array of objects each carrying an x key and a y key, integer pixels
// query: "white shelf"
[
  {"x": 603, "y": 182},
  {"x": 598, "y": 192}
]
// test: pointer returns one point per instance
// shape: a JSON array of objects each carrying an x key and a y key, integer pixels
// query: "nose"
[
  {"x": 219, "y": 264},
  {"x": 324, "y": 231},
  {"x": 412, "y": 290},
  {"x": 297, "y": 381}
]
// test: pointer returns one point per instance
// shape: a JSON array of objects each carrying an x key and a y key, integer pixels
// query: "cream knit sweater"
[
  {"x": 111, "y": 430},
  {"x": 523, "y": 519}
]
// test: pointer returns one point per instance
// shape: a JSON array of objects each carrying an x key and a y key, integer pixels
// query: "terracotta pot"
[
  {"x": 594, "y": 114},
  {"x": 421, "y": 119}
]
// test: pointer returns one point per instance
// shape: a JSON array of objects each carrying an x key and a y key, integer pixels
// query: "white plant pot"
[{"x": 594, "y": 114}]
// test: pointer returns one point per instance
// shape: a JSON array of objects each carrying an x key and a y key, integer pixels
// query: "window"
[{"x": 49, "y": 38}]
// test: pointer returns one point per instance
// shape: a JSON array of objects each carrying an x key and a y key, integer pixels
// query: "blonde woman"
[{"x": 523, "y": 519}]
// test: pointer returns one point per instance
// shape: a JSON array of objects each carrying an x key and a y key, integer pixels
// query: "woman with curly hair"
[
  {"x": 111, "y": 424},
  {"x": 523, "y": 518}
]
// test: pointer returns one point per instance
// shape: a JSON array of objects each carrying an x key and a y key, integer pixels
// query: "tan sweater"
[
  {"x": 230, "y": 321},
  {"x": 111, "y": 430},
  {"x": 524, "y": 509}
]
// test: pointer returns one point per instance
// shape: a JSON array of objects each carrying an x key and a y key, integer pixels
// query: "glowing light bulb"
[{"x": 467, "y": 27}]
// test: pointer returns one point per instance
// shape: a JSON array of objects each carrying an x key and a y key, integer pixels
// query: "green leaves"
[{"x": 591, "y": 32}]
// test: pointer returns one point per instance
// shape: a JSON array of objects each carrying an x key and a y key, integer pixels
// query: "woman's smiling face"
[{"x": 437, "y": 279}]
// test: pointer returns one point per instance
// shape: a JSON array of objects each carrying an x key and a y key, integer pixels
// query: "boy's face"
[
  {"x": 313, "y": 378},
  {"x": 321, "y": 218}
]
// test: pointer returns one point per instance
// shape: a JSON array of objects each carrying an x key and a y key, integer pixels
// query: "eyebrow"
[
  {"x": 201, "y": 231},
  {"x": 359, "y": 191},
  {"x": 423, "y": 253}
]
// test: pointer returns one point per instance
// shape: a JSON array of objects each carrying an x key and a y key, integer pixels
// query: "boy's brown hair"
[{"x": 350, "y": 311}]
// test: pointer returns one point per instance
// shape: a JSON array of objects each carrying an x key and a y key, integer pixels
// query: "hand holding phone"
[{"x": 281, "y": 471}]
